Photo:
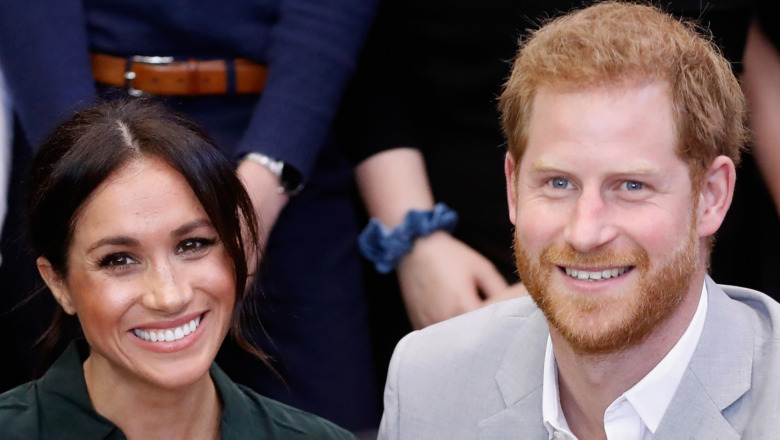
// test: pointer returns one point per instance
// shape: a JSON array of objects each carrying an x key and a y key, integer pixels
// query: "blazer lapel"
[
  {"x": 519, "y": 380},
  {"x": 719, "y": 373}
]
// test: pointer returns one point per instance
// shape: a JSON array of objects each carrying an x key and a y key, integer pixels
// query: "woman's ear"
[
  {"x": 56, "y": 285},
  {"x": 717, "y": 190}
]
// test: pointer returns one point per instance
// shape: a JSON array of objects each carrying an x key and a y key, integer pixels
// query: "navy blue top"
[{"x": 310, "y": 47}]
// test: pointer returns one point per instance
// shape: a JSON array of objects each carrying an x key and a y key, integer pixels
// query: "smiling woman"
[{"x": 143, "y": 231}]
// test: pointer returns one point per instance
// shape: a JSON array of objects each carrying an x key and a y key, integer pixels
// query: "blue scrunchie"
[{"x": 384, "y": 247}]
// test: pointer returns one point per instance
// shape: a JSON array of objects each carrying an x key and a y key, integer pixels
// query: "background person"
[{"x": 138, "y": 222}]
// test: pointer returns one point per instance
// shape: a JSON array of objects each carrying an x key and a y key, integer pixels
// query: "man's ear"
[
  {"x": 56, "y": 285},
  {"x": 717, "y": 190},
  {"x": 511, "y": 186}
]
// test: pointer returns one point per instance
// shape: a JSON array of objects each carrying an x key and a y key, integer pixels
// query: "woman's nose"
[{"x": 164, "y": 292}]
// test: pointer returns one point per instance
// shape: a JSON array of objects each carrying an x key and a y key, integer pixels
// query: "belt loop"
[
  {"x": 194, "y": 77},
  {"x": 129, "y": 77},
  {"x": 230, "y": 76}
]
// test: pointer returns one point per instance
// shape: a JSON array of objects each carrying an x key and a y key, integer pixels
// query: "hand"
[
  {"x": 442, "y": 277},
  {"x": 514, "y": 291},
  {"x": 263, "y": 188}
]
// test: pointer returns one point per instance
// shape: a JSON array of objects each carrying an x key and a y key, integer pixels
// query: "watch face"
[{"x": 292, "y": 181}]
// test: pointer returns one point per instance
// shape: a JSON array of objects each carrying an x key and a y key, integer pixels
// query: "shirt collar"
[
  {"x": 64, "y": 400},
  {"x": 240, "y": 420},
  {"x": 650, "y": 397},
  {"x": 552, "y": 413}
]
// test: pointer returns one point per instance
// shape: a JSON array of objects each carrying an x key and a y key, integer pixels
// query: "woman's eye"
[
  {"x": 632, "y": 185},
  {"x": 194, "y": 245},
  {"x": 116, "y": 260},
  {"x": 560, "y": 183}
]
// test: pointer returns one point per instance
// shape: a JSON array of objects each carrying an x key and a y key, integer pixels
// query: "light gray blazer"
[{"x": 479, "y": 376}]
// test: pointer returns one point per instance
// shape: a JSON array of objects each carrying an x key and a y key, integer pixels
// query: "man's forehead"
[
  {"x": 566, "y": 105},
  {"x": 620, "y": 83},
  {"x": 633, "y": 121}
]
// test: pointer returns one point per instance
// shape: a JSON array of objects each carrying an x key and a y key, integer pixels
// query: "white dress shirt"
[
  {"x": 6, "y": 128},
  {"x": 635, "y": 415}
]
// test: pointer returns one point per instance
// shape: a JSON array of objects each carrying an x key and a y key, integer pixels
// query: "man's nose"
[
  {"x": 164, "y": 292},
  {"x": 590, "y": 225}
]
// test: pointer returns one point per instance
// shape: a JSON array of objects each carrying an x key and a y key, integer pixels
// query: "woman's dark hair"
[{"x": 96, "y": 142}]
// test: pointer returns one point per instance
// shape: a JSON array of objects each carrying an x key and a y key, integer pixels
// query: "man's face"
[{"x": 606, "y": 229}]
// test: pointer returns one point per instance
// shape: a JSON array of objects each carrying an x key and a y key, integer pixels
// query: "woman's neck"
[{"x": 142, "y": 410}]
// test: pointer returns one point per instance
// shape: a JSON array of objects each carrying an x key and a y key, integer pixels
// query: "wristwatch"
[{"x": 290, "y": 179}]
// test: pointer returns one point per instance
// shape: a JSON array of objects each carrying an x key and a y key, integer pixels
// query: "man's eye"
[
  {"x": 631, "y": 185},
  {"x": 560, "y": 183},
  {"x": 116, "y": 260}
]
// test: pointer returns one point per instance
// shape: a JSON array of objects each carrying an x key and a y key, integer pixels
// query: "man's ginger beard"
[{"x": 623, "y": 319}]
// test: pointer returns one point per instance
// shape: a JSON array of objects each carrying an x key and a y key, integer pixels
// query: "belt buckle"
[{"x": 130, "y": 75}]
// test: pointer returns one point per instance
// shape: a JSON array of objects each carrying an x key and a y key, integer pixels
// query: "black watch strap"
[{"x": 290, "y": 179}]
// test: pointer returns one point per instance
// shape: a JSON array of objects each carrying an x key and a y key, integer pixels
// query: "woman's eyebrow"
[
  {"x": 119, "y": 240},
  {"x": 191, "y": 226}
]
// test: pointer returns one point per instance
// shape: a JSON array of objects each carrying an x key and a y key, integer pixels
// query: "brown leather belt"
[{"x": 163, "y": 76}]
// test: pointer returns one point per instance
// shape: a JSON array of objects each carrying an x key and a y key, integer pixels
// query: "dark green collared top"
[{"x": 57, "y": 406}]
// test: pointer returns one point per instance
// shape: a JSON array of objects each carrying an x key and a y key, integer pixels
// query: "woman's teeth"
[
  {"x": 168, "y": 335},
  {"x": 595, "y": 276}
]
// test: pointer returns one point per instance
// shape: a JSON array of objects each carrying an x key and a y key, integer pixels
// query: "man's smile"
[{"x": 597, "y": 275}]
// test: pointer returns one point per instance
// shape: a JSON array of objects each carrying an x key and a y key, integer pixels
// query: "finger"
[
  {"x": 489, "y": 280},
  {"x": 518, "y": 289},
  {"x": 470, "y": 299},
  {"x": 457, "y": 300},
  {"x": 514, "y": 291}
]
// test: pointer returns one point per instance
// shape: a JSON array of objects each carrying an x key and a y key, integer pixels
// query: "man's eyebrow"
[
  {"x": 638, "y": 170},
  {"x": 541, "y": 166},
  {"x": 544, "y": 166}
]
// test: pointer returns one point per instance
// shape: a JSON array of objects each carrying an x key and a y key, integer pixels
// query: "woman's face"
[{"x": 148, "y": 278}]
